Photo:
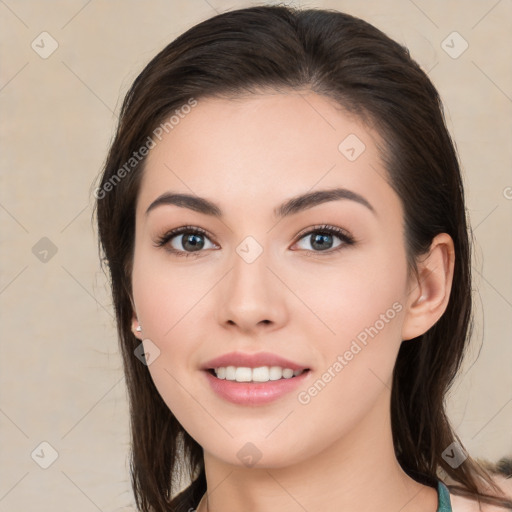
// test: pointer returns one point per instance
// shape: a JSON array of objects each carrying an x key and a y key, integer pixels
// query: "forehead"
[{"x": 265, "y": 147}]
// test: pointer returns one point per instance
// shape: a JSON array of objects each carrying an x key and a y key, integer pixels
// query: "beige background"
[{"x": 61, "y": 379}]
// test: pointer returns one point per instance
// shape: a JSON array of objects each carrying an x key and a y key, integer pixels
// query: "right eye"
[{"x": 185, "y": 241}]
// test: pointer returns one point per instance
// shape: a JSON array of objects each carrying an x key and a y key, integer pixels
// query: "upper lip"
[{"x": 240, "y": 359}]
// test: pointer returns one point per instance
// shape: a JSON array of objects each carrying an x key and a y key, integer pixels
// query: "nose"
[{"x": 252, "y": 298}]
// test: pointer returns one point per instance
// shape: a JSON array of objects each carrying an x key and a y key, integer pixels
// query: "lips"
[
  {"x": 252, "y": 394},
  {"x": 240, "y": 359}
]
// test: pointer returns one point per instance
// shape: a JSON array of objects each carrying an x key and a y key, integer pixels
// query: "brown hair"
[{"x": 344, "y": 58}]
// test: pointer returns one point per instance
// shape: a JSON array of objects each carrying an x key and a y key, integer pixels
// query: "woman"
[{"x": 283, "y": 218}]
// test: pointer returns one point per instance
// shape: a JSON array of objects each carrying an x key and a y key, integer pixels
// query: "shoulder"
[{"x": 462, "y": 504}]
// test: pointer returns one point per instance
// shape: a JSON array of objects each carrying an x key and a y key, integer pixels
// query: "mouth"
[
  {"x": 259, "y": 374},
  {"x": 254, "y": 379}
]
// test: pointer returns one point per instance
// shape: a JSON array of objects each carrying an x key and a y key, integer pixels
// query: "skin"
[{"x": 334, "y": 453}]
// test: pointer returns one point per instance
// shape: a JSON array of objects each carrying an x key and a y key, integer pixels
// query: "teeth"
[{"x": 260, "y": 374}]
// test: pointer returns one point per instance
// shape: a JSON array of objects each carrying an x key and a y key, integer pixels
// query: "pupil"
[{"x": 321, "y": 241}]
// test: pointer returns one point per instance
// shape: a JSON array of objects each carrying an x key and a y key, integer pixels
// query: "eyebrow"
[{"x": 290, "y": 207}]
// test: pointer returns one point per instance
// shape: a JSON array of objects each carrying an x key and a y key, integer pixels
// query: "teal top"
[{"x": 443, "y": 498}]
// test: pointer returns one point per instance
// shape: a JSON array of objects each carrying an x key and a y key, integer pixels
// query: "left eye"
[{"x": 321, "y": 239}]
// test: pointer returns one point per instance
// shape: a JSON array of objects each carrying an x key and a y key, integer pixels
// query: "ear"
[
  {"x": 429, "y": 290},
  {"x": 136, "y": 325},
  {"x": 135, "y": 322}
]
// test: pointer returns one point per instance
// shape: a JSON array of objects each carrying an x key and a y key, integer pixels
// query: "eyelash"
[{"x": 343, "y": 235}]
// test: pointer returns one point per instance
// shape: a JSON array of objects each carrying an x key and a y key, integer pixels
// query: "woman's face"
[{"x": 263, "y": 276}]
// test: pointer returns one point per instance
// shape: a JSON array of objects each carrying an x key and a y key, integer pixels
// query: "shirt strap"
[{"x": 443, "y": 498}]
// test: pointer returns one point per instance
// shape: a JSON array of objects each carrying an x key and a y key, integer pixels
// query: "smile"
[{"x": 259, "y": 374}]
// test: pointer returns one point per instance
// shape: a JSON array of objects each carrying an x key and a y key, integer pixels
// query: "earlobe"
[
  {"x": 136, "y": 327},
  {"x": 430, "y": 288}
]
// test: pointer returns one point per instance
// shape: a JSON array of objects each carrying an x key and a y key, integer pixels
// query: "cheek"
[
  {"x": 171, "y": 307},
  {"x": 365, "y": 309}
]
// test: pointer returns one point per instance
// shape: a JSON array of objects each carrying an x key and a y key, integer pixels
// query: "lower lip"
[{"x": 254, "y": 393}]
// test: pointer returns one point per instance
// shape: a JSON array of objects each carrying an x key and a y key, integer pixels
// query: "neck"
[{"x": 357, "y": 473}]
